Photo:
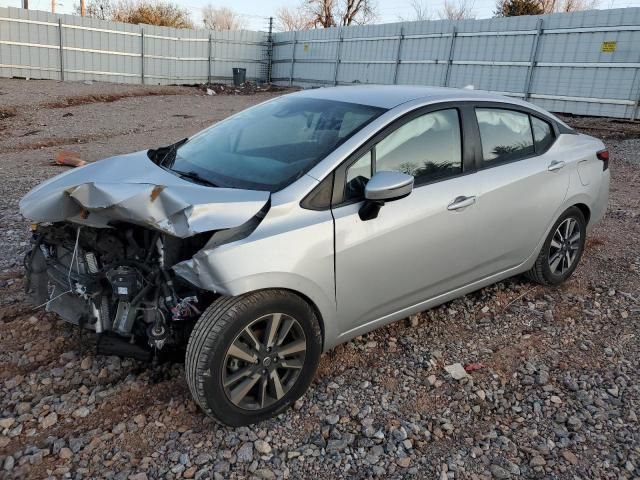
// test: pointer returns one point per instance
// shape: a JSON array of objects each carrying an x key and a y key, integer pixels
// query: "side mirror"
[{"x": 384, "y": 187}]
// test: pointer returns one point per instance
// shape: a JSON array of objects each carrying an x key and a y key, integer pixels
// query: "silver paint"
[{"x": 358, "y": 275}]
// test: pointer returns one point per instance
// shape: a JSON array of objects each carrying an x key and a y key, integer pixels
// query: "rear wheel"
[
  {"x": 562, "y": 249},
  {"x": 250, "y": 357}
]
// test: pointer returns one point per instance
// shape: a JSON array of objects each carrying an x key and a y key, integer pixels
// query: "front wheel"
[
  {"x": 562, "y": 249},
  {"x": 250, "y": 357}
]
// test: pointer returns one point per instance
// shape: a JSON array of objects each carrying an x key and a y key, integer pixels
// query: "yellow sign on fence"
[{"x": 608, "y": 47}]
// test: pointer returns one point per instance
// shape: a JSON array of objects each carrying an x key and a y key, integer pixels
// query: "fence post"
[
  {"x": 533, "y": 59},
  {"x": 61, "y": 50},
  {"x": 452, "y": 46},
  {"x": 142, "y": 54},
  {"x": 270, "y": 50},
  {"x": 293, "y": 58},
  {"x": 635, "y": 110},
  {"x": 335, "y": 71},
  {"x": 398, "y": 55},
  {"x": 209, "y": 60}
]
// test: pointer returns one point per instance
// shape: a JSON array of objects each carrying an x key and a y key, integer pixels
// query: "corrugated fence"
[
  {"x": 41, "y": 45},
  {"x": 586, "y": 63}
]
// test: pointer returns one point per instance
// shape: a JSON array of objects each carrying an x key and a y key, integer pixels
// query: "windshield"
[{"x": 269, "y": 146}]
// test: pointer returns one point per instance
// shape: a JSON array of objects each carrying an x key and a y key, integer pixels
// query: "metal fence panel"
[
  {"x": 28, "y": 49},
  {"x": 584, "y": 63},
  {"x": 115, "y": 52}
]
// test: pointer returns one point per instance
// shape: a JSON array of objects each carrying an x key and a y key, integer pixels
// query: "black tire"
[
  {"x": 219, "y": 327},
  {"x": 541, "y": 271}
]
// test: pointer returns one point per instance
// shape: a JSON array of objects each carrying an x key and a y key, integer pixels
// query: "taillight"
[{"x": 603, "y": 155}]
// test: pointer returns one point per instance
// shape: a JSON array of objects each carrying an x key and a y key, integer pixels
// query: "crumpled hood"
[{"x": 133, "y": 189}]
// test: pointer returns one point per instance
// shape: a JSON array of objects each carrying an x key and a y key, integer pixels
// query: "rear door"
[
  {"x": 418, "y": 246},
  {"x": 522, "y": 181}
]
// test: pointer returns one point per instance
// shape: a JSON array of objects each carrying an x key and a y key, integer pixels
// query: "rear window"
[{"x": 505, "y": 134}]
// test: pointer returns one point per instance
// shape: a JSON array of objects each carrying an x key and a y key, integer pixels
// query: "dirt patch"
[
  {"x": 54, "y": 142},
  {"x": 106, "y": 98},
  {"x": 7, "y": 112},
  {"x": 10, "y": 313},
  {"x": 583, "y": 337},
  {"x": 130, "y": 401}
]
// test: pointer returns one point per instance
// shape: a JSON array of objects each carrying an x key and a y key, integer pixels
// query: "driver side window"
[{"x": 428, "y": 147}]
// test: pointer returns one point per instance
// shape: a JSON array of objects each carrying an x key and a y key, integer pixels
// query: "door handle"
[
  {"x": 461, "y": 202},
  {"x": 555, "y": 165}
]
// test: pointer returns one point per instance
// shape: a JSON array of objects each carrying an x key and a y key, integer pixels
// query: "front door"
[{"x": 418, "y": 246}]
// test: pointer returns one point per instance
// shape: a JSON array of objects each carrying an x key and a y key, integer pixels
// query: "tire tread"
[
  {"x": 206, "y": 336},
  {"x": 537, "y": 272}
]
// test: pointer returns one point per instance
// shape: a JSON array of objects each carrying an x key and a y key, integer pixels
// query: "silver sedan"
[{"x": 308, "y": 220}]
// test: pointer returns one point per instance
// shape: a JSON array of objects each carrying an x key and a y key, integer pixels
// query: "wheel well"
[
  {"x": 585, "y": 211},
  {"x": 303, "y": 297},
  {"x": 313, "y": 306}
]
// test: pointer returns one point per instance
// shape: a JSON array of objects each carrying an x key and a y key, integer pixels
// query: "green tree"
[{"x": 514, "y": 8}]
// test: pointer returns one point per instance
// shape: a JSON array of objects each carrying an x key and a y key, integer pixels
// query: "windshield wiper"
[{"x": 191, "y": 175}]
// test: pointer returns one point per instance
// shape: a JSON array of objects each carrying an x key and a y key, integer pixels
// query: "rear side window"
[
  {"x": 542, "y": 134},
  {"x": 505, "y": 135}
]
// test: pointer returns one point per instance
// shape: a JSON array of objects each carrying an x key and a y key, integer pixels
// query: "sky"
[{"x": 257, "y": 12}]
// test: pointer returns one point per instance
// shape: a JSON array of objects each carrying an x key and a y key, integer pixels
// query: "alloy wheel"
[
  {"x": 564, "y": 247},
  {"x": 264, "y": 361}
]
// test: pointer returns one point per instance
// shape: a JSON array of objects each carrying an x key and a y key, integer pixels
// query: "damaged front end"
[
  {"x": 106, "y": 239},
  {"x": 117, "y": 283}
]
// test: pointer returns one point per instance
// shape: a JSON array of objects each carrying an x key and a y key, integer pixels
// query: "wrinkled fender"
[
  {"x": 298, "y": 284},
  {"x": 291, "y": 249}
]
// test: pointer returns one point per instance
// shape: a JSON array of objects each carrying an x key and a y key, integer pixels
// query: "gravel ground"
[{"x": 553, "y": 390}]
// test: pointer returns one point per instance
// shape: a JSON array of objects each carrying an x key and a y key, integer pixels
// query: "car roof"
[{"x": 391, "y": 96}]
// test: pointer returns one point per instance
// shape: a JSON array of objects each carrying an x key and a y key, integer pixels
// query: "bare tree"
[
  {"x": 552, "y": 6},
  {"x": 289, "y": 20},
  {"x": 222, "y": 18},
  {"x": 457, "y": 10},
  {"x": 100, "y": 9},
  {"x": 321, "y": 12},
  {"x": 357, "y": 12},
  {"x": 420, "y": 12},
  {"x": 331, "y": 13}
]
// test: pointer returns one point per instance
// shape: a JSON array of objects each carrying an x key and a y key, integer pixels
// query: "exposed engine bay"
[{"x": 118, "y": 282}]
